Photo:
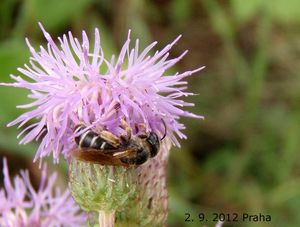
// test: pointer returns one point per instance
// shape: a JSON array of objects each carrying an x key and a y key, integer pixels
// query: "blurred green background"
[{"x": 243, "y": 157}]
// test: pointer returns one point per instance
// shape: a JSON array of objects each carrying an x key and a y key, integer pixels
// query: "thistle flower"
[
  {"x": 21, "y": 205},
  {"x": 68, "y": 88},
  {"x": 72, "y": 83}
]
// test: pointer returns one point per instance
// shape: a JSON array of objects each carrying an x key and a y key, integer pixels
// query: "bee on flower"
[
  {"x": 68, "y": 89},
  {"x": 124, "y": 111}
]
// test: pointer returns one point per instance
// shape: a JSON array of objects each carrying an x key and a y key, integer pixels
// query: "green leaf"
[
  {"x": 245, "y": 10},
  {"x": 180, "y": 11},
  {"x": 56, "y": 13},
  {"x": 285, "y": 11},
  {"x": 13, "y": 53}
]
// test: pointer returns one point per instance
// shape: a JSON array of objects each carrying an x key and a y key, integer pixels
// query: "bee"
[{"x": 107, "y": 149}]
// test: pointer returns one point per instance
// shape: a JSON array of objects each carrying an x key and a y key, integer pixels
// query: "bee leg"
[
  {"x": 110, "y": 138},
  {"x": 141, "y": 130},
  {"x": 140, "y": 158},
  {"x": 122, "y": 154},
  {"x": 126, "y": 127}
]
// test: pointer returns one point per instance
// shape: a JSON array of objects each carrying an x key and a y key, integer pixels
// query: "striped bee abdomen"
[{"x": 90, "y": 139}]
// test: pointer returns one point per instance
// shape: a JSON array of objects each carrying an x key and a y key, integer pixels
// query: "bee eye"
[{"x": 154, "y": 143}]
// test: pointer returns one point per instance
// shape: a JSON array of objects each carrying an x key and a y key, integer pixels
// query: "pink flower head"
[
  {"x": 68, "y": 87},
  {"x": 21, "y": 205}
]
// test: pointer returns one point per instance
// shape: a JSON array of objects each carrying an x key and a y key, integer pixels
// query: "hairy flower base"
[
  {"x": 137, "y": 196},
  {"x": 150, "y": 205},
  {"x": 96, "y": 187}
]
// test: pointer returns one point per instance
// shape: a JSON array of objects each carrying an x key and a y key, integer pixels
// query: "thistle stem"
[{"x": 106, "y": 218}]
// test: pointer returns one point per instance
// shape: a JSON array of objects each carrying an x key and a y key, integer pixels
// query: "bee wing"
[
  {"x": 97, "y": 156},
  {"x": 103, "y": 157}
]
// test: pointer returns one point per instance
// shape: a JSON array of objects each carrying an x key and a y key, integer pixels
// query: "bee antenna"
[{"x": 164, "y": 123}]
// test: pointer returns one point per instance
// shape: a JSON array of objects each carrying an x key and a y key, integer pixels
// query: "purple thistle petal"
[{"x": 22, "y": 205}]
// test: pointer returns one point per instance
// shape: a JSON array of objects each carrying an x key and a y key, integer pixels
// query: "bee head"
[{"x": 154, "y": 143}]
